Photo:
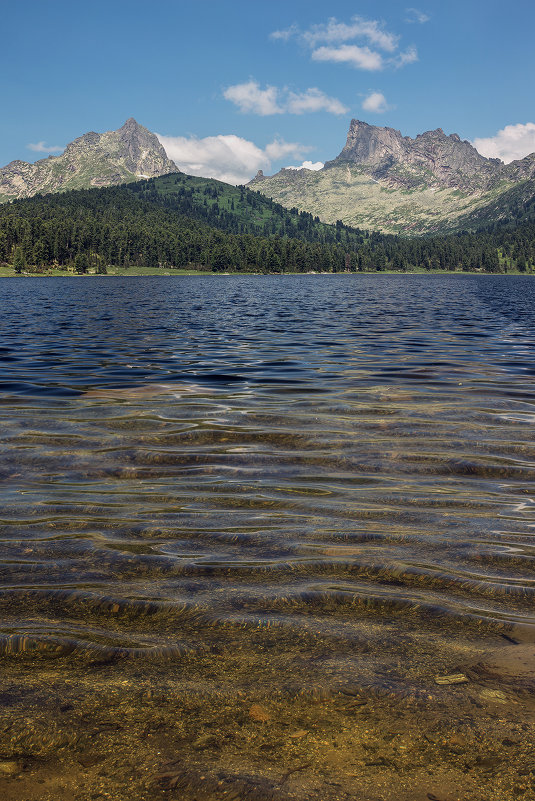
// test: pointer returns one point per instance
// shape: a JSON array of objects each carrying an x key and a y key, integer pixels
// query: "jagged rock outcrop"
[
  {"x": 430, "y": 158},
  {"x": 94, "y": 159},
  {"x": 385, "y": 181}
]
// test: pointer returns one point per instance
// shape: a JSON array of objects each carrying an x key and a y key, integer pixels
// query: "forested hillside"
[
  {"x": 181, "y": 222},
  {"x": 177, "y": 221}
]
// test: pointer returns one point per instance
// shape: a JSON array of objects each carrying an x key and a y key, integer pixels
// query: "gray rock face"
[
  {"x": 431, "y": 159},
  {"x": 387, "y": 182},
  {"x": 94, "y": 159}
]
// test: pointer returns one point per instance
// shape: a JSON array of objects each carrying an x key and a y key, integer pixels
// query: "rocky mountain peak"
[
  {"x": 132, "y": 131},
  {"x": 144, "y": 155},
  {"x": 93, "y": 159},
  {"x": 369, "y": 144},
  {"x": 130, "y": 124},
  {"x": 431, "y": 159},
  {"x": 385, "y": 181}
]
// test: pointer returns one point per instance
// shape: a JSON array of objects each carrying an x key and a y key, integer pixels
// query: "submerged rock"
[
  {"x": 453, "y": 678},
  {"x": 10, "y": 767}
]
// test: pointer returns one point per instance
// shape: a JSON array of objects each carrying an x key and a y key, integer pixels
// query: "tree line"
[{"x": 180, "y": 222}]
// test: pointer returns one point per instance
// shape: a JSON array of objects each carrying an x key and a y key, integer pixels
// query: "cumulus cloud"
[
  {"x": 359, "y": 57},
  {"x": 250, "y": 97},
  {"x": 375, "y": 103},
  {"x": 278, "y": 149},
  {"x": 41, "y": 147},
  {"x": 228, "y": 157},
  {"x": 362, "y": 43},
  {"x": 314, "y": 100},
  {"x": 308, "y": 165},
  {"x": 512, "y": 142},
  {"x": 415, "y": 15}
]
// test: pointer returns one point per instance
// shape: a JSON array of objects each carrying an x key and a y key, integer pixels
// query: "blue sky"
[{"x": 235, "y": 86}]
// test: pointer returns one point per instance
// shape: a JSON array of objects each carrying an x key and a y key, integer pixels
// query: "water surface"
[{"x": 250, "y": 520}]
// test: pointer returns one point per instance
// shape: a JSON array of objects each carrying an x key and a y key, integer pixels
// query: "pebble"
[
  {"x": 10, "y": 767},
  {"x": 452, "y": 678},
  {"x": 351, "y": 690},
  {"x": 259, "y": 713},
  {"x": 457, "y": 741},
  {"x": 493, "y": 695}
]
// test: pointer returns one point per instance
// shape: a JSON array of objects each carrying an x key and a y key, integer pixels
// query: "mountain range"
[
  {"x": 381, "y": 181},
  {"x": 384, "y": 181},
  {"x": 93, "y": 160}
]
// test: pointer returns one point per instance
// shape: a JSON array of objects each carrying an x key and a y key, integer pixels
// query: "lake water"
[{"x": 246, "y": 525}]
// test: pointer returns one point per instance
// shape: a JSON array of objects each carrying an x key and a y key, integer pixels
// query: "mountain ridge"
[
  {"x": 454, "y": 162},
  {"x": 381, "y": 180},
  {"x": 91, "y": 160},
  {"x": 397, "y": 184}
]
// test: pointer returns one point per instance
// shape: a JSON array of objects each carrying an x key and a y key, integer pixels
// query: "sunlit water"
[{"x": 323, "y": 484}]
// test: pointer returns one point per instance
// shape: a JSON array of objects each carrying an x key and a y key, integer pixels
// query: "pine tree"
[
  {"x": 80, "y": 263},
  {"x": 19, "y": 262}
]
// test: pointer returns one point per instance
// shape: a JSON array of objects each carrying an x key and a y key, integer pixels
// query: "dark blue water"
[
  {"x": 345, "y": 460},
  {"x": 61, "y": 337}
]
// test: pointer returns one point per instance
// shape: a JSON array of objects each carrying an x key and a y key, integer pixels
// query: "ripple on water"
[{"x": 367, "y": 460}]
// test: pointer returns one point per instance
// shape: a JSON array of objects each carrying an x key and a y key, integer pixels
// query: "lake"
[{"x": 267, "y": 537}]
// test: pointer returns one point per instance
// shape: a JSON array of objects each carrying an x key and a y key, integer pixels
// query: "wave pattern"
[{"x": 345, "y": 460}]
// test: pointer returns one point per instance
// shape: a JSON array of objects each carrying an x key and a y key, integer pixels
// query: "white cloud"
[
  {"x": 409, "y": 56},
  {"x": 278, "y": 149},
  {"x": 415, "y": 15},
  {"x": 375, "y": 103},
  {"x": 334, "y": 31},
  {"x": 41, "y": 147},
  {"x": 249, "y": 97},
  {"x": 512, "y": 142},
  {"x": 359, "y": 57},
  {"x": 314, "y": 100},
  {"x": 308, "y": 165},
  {"x": 293, "y": 30},
  {"x": 357, "y": 42},
  {"x": 228, "y": 158}
]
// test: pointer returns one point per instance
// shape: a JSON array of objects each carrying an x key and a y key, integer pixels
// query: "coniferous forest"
[{"x": 181, "y": 222}]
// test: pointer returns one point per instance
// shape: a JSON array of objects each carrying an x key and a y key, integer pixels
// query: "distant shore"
[{"x": 120, "y": 272}]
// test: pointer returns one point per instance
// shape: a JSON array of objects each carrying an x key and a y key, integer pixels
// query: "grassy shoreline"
[{"x": 115, "y": 272}]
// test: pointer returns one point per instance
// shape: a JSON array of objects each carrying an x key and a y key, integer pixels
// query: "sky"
[{"x": 234, "y": 86}]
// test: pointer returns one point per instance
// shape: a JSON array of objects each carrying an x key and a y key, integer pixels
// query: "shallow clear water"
[{"x": 326, "y": 481}]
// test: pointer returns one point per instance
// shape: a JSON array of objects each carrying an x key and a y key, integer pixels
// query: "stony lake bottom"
[{"x": 267, "y": 538}]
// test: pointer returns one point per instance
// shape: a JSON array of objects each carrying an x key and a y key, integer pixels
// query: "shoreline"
[{"x": 153, "y": 272}]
